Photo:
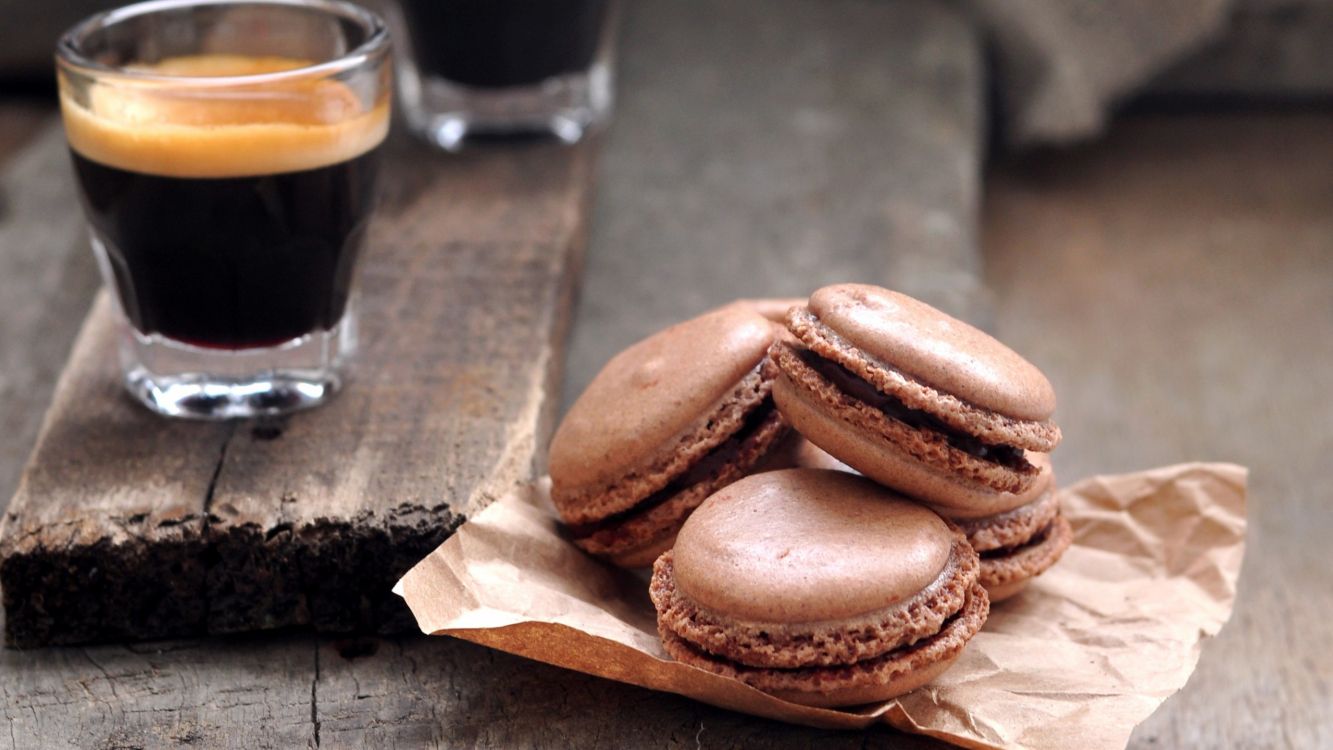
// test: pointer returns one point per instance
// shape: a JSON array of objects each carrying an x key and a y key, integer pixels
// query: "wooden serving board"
[{"x": 126, "y": 525}]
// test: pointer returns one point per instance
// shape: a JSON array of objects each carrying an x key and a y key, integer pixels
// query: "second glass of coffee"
[
  {"x": 226, "y": 156},
  {"x": 505, "y": 67}
]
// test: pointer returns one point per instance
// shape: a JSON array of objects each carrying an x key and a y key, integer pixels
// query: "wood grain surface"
[
  {"x": 126, "y": 525},
  {"x": 1176, "y": 284},
  {"x": 47, "y": 282}
]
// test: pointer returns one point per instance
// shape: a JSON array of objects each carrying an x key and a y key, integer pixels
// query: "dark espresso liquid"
[
  {"x": 499, "y": 43},
  {"x": 234, "y": 262}
]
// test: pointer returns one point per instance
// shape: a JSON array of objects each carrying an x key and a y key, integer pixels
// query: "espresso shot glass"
[
  {"x": 496, "y": 68},
  {"x": 226, "y": 153}
]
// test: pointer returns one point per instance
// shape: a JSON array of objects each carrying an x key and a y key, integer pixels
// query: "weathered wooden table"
[{"x": 1175, "y": 283}]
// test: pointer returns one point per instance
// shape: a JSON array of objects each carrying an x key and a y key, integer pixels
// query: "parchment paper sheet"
[{"x": 1081, "y": 657}]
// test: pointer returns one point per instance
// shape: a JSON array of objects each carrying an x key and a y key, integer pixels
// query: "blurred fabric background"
[{"x": 1060, "y": 67}]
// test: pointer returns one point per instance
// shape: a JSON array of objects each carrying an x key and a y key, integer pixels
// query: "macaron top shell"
[
  {"x": 653, "y": 391},
  {"x": 936, "y": 349},
  {"x": 808, "y": 545}
]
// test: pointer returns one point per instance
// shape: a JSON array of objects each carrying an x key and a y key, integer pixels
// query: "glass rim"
[{"x": 376, "y": 43}]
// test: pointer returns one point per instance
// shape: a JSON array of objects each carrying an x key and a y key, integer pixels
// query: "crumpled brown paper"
[{"x": 1077, "y": 660}]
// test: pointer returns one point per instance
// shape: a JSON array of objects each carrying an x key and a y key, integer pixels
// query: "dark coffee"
[
  {"x": 228, "y": 222},
  {"x": 232, "y": 262},
  {"x": 500, "y": 43}
]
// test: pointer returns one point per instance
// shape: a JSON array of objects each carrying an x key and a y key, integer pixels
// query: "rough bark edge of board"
[
  {"x": 334, "y": 575},
  {"x": 138, "y": 601},
  {"x": 338, "y": 572}
]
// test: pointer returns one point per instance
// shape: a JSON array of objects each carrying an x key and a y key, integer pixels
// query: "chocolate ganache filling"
[
  {"x": 704, "y": 469},
  {"x": 1037, "y": 539},
  {"x": 854, "y": 386}
]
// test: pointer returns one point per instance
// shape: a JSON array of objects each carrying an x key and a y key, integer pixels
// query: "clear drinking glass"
[
  {"x": 504, "y": 67},
  {"x": 226, "y": 152}
]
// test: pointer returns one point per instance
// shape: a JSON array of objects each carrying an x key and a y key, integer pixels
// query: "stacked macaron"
[
  {"x": 934, "y": 408},
  {"x": 666, "y": 423},
  {"x": 812, "y": 583}
]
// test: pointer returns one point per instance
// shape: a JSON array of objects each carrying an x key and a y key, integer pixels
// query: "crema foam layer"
[{"x": 201, "y": 131}]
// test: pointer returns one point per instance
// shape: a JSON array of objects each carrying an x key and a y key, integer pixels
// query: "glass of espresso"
[
  {"x": 226, "y": 152},
  {"x": 504, "y": 67}
]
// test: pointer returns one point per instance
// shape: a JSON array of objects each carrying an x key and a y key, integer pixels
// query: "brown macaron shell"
[
  {"x": 653, "y": 411},
  {"x": 1022, "y": 540},
  {"x": 912, "y": 397},
  {"x": 1008, "y": 590},
  {"x": 637, "y": 539},
  {"x": 919, "y": 463},
  {"x": 819, "y": 585},
  {"x": 936, "y": 349},
  {"x": 954, "y": 411},
  {"x": 1006, "y": 571},
  {"x": 657, "y": 386},
  {"x": 753, "y": 549},
  {"x": 795, "y": 645},
  {"x": 978, "y": 504},
  {"x": 888, "y": 676},
  {"x": 1012, "y": 528}
]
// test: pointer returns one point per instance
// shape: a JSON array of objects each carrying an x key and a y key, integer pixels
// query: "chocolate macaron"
[
  {"x": 820, "y": 587},
  {"x": 1018, "y": 535},
  {"x": 911, "y": 397},
  {"x": 666, "y": 423}
]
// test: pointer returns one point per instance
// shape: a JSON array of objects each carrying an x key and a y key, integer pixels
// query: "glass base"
[
  {"x": 181, "y": 380},
  {"x": 448, "y": 115}
]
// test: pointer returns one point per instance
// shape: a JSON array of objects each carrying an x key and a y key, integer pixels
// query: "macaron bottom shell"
[
  {"x": 1001, "y": 592},
  {"x": 821, "y": 587},
  {"x": 827, "y": 642},
  {"x": 893, "y": 674},
  {"x": 1012, "y": 528}
]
